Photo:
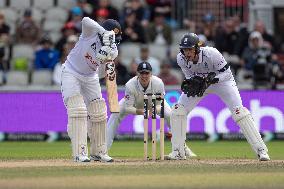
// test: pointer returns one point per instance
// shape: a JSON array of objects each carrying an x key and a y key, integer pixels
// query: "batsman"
[
  {"x": 81, "y": 91},
  {"x": 206, "y": 71},
  {"x": 132, "y": 103}
]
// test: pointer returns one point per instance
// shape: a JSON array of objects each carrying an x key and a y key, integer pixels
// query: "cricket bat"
[{"x": 111, "y": 87}]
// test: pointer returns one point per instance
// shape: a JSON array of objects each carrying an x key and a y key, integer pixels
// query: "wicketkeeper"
[
  {"x": 81, "y": 89},
  {"x": 132, "y": 103},
  {"x": 206, "y": 71}
]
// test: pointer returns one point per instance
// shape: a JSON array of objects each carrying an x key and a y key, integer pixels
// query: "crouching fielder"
[
  {"x": 206, "y": 71},
  {"x": 81, "y": 90},
  {"x": 132, "y": 103}
]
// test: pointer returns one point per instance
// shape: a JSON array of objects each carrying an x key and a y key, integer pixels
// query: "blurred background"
[{"x": 37, "y": 35}]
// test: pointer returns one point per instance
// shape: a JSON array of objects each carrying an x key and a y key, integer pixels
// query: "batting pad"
[
  {"x": 77, "y": 125},
  {"x": 97, "y": 126},
  {"x": 178, "y": 124},
  {"x": 244, "y": 119}
]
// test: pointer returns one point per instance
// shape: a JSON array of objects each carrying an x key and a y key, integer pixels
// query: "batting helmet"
[
  {"x": 190, "y": 40},
  {"x": 111, "y": 24}
]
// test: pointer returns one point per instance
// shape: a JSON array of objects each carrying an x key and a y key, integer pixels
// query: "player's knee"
[
  {"x": 97, "y": 110},
  {"x": 239, "y": 113},
  {"x": 76, "y": 107},
  {"x": 178, "y": 109}
]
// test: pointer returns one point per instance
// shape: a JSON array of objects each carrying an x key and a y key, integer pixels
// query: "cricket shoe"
[
  {"x": 101, "y": 157},
  {"x": 188, "y": 152},
  {"x": 81, "y": 158},
  {"x": 175, "y": 155},
  {"x": 263, "y": 155}
]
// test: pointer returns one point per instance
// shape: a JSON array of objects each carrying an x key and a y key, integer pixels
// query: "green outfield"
[{"x": 218, "y": 165}]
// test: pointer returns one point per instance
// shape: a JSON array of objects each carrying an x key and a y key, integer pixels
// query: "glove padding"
[
  {"x": 197, "y": 85},
  {"x": 108, "y": 38},
  {"x": 104, "y": 54}
]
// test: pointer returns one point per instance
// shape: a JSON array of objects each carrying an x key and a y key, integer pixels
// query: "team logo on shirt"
[
  {"x": 94, "y": 47},
  {"x": 206, "y": 65},
  {"x": 90, "y": 58}
]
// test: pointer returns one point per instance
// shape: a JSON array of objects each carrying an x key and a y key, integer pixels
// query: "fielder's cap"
[{"x": 144, "y": 67}]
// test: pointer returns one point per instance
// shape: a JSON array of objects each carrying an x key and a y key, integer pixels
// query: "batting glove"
[
  {"x": 108, "y": 38},
  {"x": 104, "y": 54}
]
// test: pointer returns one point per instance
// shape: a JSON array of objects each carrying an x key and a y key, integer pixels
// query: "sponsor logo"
[
  {"x": 94, "y": 47},
  {"x": 90, "y": 58}
]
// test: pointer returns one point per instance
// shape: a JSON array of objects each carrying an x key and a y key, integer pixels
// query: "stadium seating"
[
  {"x": 66, "y": 4},
  {"x": 37, "y": 15},
  {"x": 117, "y": 4},
  {"x": 23, "y": 50},
  {"x": 43, "y": 4},
  {"x": 20, "y": 5},
  {"x": 52, "y": 26},
  {"x": 11, "y": 15},
  {"x": 56, "y": 14},
  {"x": 178, "y": 35},
  {"x": 174, "y": 50},
  {"x": 55, "y": 36},
  {"x": 3, "y": 3},
  {"x": 128, "y": 51},
  {"x": 41, "y": 77},
  {"x": 18, "y": 78},
  {"x": 158, "y": 51},
  {"x": 178, "y": 74},
  {"x": 22, "y": 54},
  {"x": 12, "y": 26}
]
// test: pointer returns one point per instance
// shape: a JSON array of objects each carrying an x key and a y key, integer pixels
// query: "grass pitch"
[{"x": 218, "y": 165}]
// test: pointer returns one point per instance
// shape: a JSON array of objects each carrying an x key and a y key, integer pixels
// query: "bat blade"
[{"x": 111, "y": 87}]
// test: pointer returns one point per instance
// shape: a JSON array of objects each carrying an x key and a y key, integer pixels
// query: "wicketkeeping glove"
[
  {"x": 104, "y": 54},
  {"x": 108, "y": 38},
  {"x": 197, "y": 85},
  {"x": 210, "y": 79},
  {"x": 192, "y": 86}
]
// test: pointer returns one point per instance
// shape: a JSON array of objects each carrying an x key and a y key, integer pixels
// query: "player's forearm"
[{"x": 89, "y": 27}]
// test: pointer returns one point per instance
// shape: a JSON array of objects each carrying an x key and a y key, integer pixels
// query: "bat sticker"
[{"x": 110, "y": 71}]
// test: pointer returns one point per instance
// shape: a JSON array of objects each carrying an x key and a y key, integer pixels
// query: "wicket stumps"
[{"x": 154, "y": 99}]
